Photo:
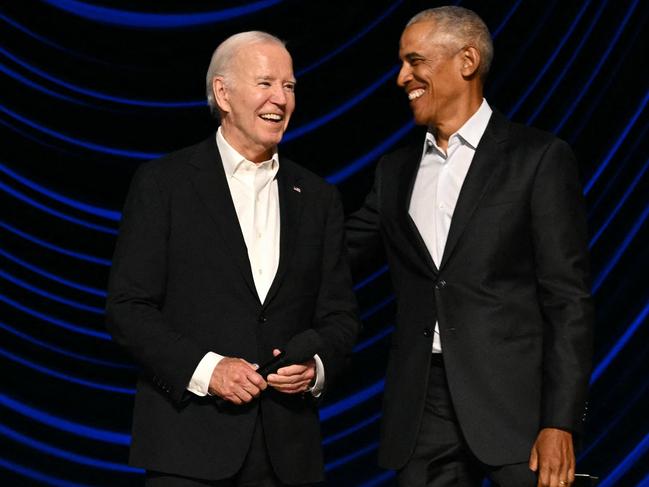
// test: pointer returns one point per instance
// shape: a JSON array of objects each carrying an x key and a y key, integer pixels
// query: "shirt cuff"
[
  {"x": 200, "y": 381},
  {"x": 318, "y": 386}
]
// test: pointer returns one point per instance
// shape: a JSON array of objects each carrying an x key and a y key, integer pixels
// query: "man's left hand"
[
  {"x": 294, "y": 378},
  {"x": 553, "y": 458}
]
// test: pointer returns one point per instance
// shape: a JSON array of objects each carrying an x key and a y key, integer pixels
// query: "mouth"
[
  {"x": 414, "y": 94},
  {"x": 272, "y": 117}
]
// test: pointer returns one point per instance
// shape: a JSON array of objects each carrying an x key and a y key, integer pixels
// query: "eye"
[
  {"x": 289, "y": 87},
  {"x": 264, "y": 83}
]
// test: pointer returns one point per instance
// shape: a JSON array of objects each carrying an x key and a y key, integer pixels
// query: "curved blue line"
[
  {"x": 377, "y": 307},
  {"x": 59, "y": 214},
  {"x": 611, "y": 182},
  {"x": 53, "y": 277},
  {"x": 61, "y": 424},
  {"x": 621, "y": 249},
  {"x": 32, "y": 84},
  {"x": 62, "y": 351},
  {"x": 575, "y": 52},
  {"x": 619, "y": 205},
  {"x": 505, "y": 20},
  {"x": 370, "y": 278},
  {"x": 617, "y": 144},
  {"x": 595, "y": 72},
  {"x": 351, "y": 41},
  {"x": 91, "y": 93},
  {"x": 64, "y": 454},
  {"x": 644, "y": 482},
  {"x": 55, "y": 248},
  {"x": 78, "y": 205},
  {"x": 79, "y": 142},
  {"x": 339, "y": 110},
  {"x": 350, "y": 401},
  {"x": 145, "y": 20},
  {"x": 36, "y": 475},
  {"x": 619, "y": 345},
  {"x": 373, "y": 339},
  {"x": 348, "y": 431},
  {"x": 38, "y": 37},
  {"x": 611, "y": 425},
  {"x": 55, "y": 321},
  {"x": 64, "y": 377},
  {"x": 355, "y": 166},
  {"x": 46, "y": 294},
  {"x": 550, "y": 60},
  {"x": 339, "y": 462},
  {"x": 626, "y": 463}
]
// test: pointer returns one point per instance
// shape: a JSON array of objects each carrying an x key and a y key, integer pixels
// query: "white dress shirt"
[
  {"x": 437, "y": 186},
  {"x": 256, "y": 200}
]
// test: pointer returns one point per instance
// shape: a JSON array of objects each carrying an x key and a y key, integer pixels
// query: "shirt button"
[
  {"x": 440, "y": 284},
  {"x": 262, "y": 318}
]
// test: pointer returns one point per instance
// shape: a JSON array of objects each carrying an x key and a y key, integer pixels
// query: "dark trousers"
[
  {"x": 441, "y": 457},
  {"x": 256, "y": 470}
]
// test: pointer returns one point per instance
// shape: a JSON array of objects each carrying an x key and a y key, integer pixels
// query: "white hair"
[
  {"x": 224, "y": 54},
  {"x": 463, "y": 25}
]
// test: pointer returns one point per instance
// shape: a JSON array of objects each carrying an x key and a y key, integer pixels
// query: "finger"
[
  {"x": 544, "y": 476},
  {"x": 294, "y": 369},
  {"x": 285, "y": 379},
  {"x": 257, "y": 380},
  {"x": 251, "y": 389},
  {"x": 244, "y": 395},
  {"x": 534, "y": 460},
  {"x": 276, "y": 352},
  {"x": 249, "y": 365}
]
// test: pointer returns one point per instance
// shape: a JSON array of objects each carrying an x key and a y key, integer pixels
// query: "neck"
[
  {"x": 247, "y": 148},
  {"x": 456, "y": 117}
]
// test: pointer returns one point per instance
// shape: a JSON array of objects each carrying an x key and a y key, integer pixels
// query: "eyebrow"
[
  {"x": 271, "y": 78},
  {"x": 412, "y": 56}
]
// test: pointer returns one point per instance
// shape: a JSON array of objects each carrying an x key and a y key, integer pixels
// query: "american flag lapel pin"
[{"x": 297, "y": 189}]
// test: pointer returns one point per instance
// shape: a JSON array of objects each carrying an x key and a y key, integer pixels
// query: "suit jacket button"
[
  {"x": 427, "y": 332},
  {"x": 262, "y": 319}
]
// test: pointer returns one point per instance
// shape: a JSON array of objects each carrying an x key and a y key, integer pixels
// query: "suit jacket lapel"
[
  {"x": 478, "y": 180},
  {"x": 212, "y": 187},
  {"x": 290, "y": 209},
  {"x": 406, "y": 185}
]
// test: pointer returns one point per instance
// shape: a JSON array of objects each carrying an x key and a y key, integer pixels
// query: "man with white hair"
[
  {"x": 484, "y": 229},
  {"x": 228, "y": 255}
]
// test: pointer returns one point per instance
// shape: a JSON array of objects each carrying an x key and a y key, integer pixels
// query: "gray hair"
[
  {"x": 224, "y": 54},
  {"x": 463, "y": 25}
]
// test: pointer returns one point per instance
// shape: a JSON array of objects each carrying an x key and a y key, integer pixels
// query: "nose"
[
  {"x": 405, "y": 75},
  {"x": 279, "y": 96}
]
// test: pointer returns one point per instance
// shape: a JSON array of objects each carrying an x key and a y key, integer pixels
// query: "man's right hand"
[{"x": 236, "y": 380}]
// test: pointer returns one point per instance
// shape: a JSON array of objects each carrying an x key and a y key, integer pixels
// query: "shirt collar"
[
  {"x": 232, "y": 160},
  {"x": 472, "y": 130}
]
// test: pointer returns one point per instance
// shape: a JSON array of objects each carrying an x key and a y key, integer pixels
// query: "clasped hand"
[{"x": 237, "y": 381}]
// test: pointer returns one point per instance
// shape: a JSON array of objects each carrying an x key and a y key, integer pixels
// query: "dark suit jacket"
[
  {"x": 181, "y": 286},
  {"x": 511, "y": 294}
]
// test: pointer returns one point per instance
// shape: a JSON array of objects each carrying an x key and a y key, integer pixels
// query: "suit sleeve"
[
  {"x": 336, "y": 315},
  {"x": 363, "y": 233},
  {"x": 560, "y": 239},
  {"x": 136, "y": 290}
]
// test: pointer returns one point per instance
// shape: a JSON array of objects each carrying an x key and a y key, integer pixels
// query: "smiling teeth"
[
  {"x": 271, "y": 116},
  {"x": 414, "y": 94}
]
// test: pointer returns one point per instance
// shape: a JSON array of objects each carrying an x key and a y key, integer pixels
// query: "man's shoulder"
[
  {"x": 531, "y": 138},
  {"x": 176, "y": 164}
]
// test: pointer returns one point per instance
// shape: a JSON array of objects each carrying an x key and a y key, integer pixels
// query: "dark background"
[{"x": 88, "y": 93}]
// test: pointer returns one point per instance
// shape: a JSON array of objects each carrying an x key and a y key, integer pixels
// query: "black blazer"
[
  {"x": 511, "y": 294},
  {"x": 181, "y": 285}
]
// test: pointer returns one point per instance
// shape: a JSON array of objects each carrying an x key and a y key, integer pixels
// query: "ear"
[
  {"x": 471, "y": 60},
  {"x": 221, "y": 95}
]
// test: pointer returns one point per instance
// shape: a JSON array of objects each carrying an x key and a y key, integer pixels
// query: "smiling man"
[
  {"x": 484, "y": 230},
  {"x": 227, "y": 253}
]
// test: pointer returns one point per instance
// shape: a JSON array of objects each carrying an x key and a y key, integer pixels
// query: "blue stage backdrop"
[{"x": 91, "y": 88}]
